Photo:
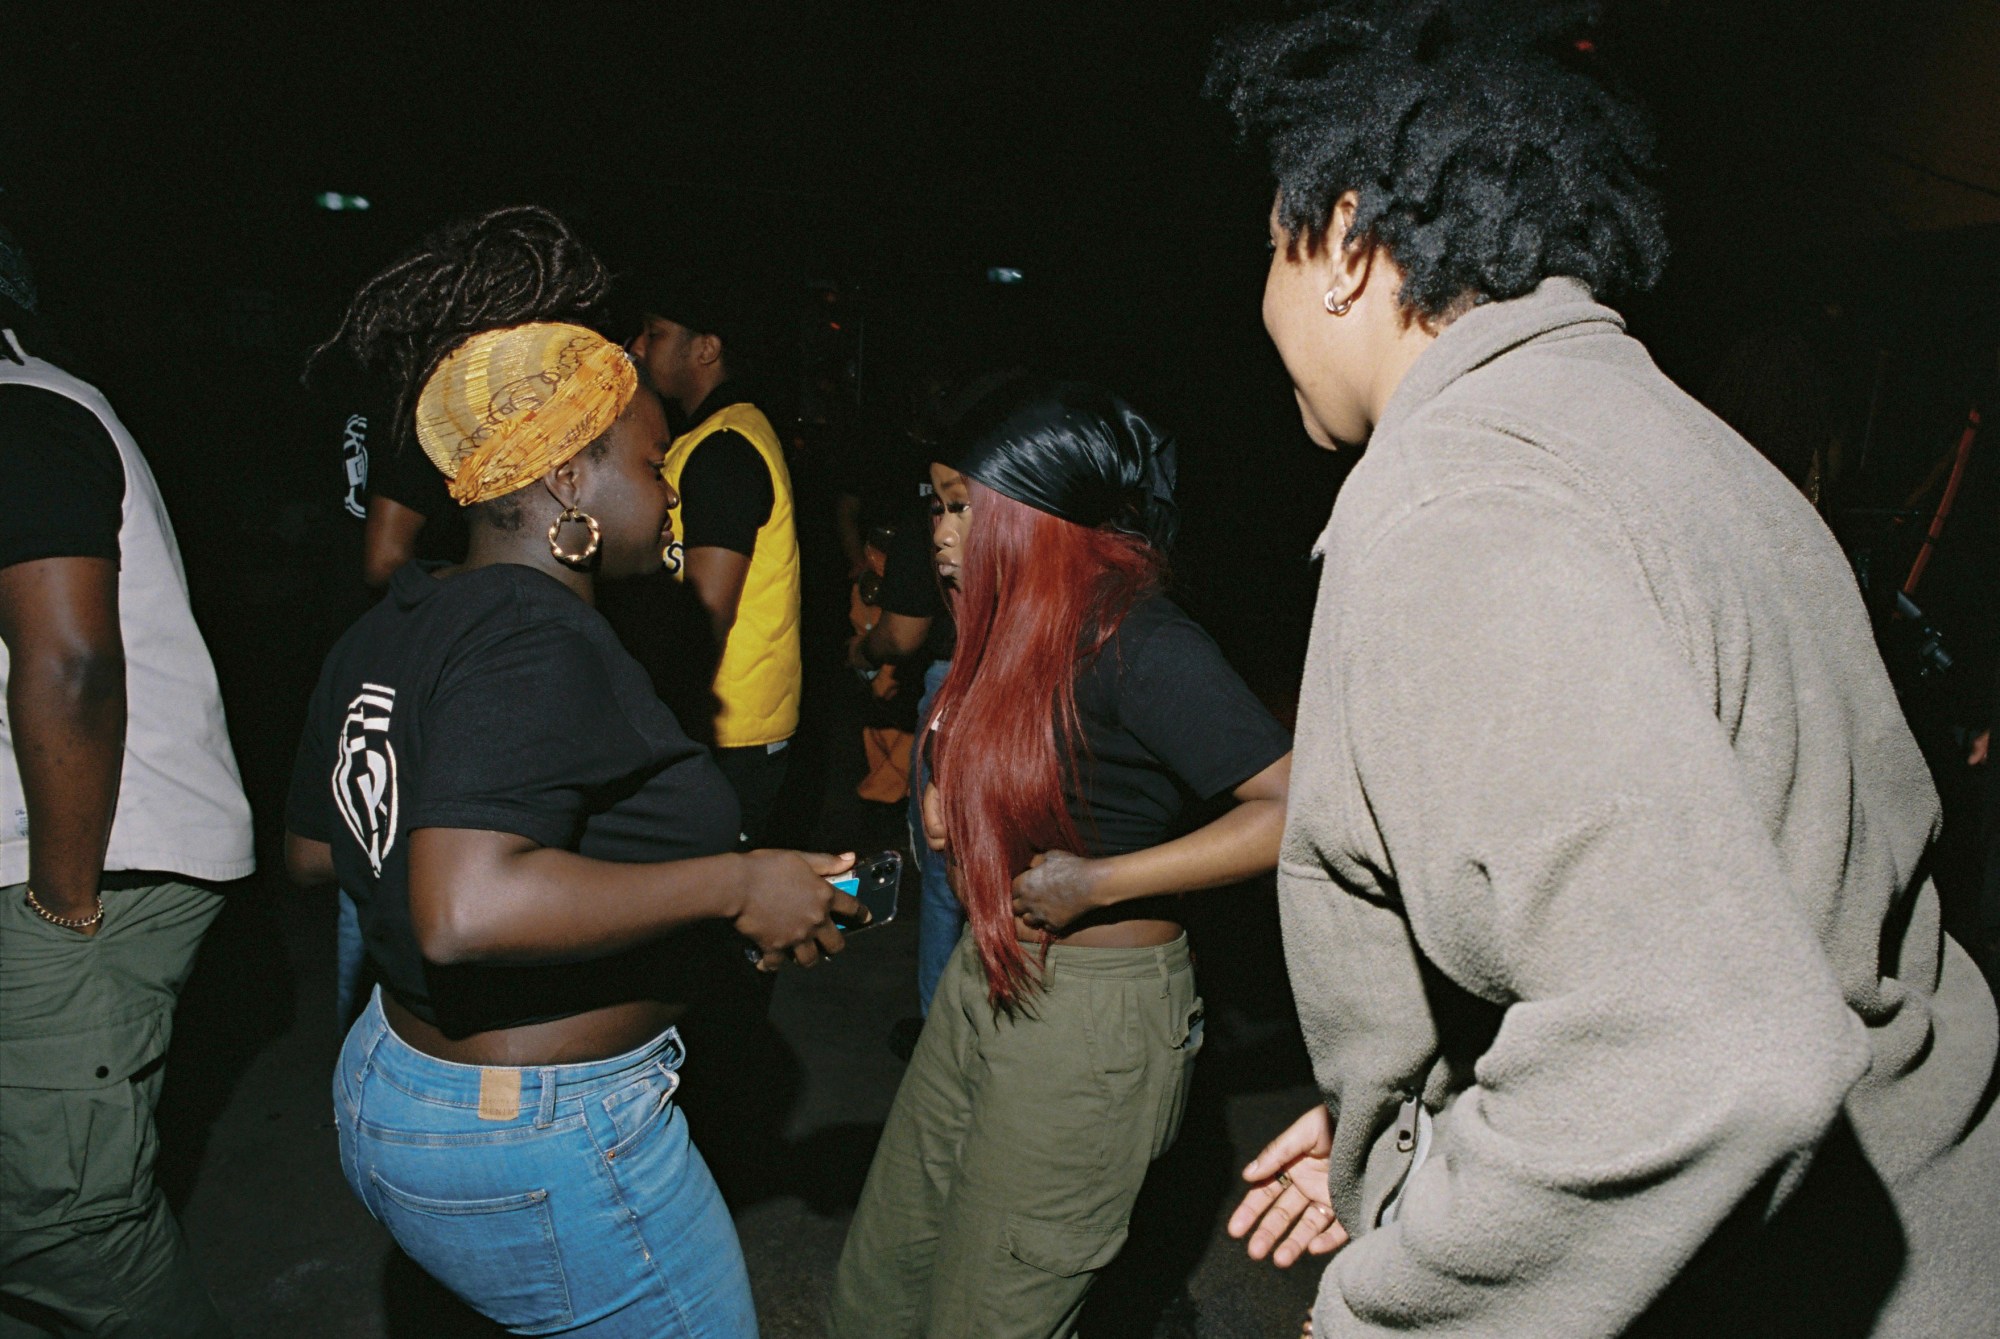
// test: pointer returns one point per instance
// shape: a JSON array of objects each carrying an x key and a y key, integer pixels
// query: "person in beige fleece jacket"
[{"x": 1604, "y": 880}]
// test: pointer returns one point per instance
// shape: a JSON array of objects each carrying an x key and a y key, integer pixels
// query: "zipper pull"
[{"x": 1406, "y": 1126}]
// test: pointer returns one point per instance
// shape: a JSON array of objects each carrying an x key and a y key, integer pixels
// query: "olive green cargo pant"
[
  {"x": 1006, "y": 1174},
  {"x": 87, "y": 1244}
]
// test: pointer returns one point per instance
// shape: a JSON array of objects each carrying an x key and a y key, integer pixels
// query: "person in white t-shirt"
[{"x": 119, "y": 804}]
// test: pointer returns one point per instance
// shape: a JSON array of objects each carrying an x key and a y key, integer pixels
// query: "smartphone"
[{"x": 873, "y": 881}]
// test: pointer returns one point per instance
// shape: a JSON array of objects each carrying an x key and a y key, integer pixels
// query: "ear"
[
  {"x": 565, "y": 482},
  {"x": 708, "y": 349},
  {"x": 1350, "y": 260}
]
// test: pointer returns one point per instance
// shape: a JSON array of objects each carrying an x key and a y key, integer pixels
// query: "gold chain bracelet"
[{"x": 67, "y": 922}]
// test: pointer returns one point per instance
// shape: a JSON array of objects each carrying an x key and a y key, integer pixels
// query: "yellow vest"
[{"x": 757, "y": 682}]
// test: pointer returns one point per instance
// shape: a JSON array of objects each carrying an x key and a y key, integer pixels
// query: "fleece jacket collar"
[{"x": 1486, "y": 332}]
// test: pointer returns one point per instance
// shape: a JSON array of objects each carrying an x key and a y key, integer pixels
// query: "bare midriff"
[
  {"x": 597, "y": 1034},
  {"x": 1136, "y": 924}
]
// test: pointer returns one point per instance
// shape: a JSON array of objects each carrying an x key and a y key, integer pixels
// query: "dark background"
[{"x": 161, "y": 165}]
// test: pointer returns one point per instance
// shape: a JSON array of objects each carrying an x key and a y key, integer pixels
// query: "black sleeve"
[
  {"x": 523, "y": 735},
  {"x": 309, "y": 806},
  {"x": 726, "y": 494},
  {"x": 405, "y": 476},
  {"x": 1192, "y": 711},
  {"x": 909, "y": 572},
  {"x": 61, "y": 478}
]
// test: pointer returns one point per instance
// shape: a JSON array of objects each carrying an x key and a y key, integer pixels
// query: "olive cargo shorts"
[
  {"x": 1016, "y": 1146},
  {"x": 87, "y": 1244}
]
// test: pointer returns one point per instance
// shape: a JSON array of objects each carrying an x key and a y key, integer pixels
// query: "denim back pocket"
[{"x": 498, "y": 1255}]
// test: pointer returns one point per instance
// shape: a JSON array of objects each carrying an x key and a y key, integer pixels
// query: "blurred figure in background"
[
  {"x": 119, "y": 804},
  {"x": 916, "y": 634},
  {"x": 736, "y": 547},
  {"x": 405, "y": 512}
]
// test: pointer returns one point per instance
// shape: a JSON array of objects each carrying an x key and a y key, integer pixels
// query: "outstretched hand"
[
  {"x": 1288, "y": 1204},
  {"x": 1056, "y": 889}
]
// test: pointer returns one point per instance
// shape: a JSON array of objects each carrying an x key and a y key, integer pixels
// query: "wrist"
[
  {"x": 65, "y": 897},
  {"x": 732, "y": 889},
  {"x": 1100, "y": 883},
  {"x": 72, "y": 913}
]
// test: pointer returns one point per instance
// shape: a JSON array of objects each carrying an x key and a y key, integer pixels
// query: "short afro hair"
[{"x": 1485, "y": 155}]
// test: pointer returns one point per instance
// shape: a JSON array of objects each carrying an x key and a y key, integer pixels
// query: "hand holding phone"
[
  {"x": 872, "y": 882},
  {"x": 782, "y": 916}
]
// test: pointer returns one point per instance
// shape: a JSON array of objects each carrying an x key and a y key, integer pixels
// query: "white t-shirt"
[{"x": 181, "y": 807}]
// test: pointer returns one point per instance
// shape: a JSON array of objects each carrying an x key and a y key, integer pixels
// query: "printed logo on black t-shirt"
[
  {"x": 364, "y": 773},
  {"x": 354, "y": 453}
]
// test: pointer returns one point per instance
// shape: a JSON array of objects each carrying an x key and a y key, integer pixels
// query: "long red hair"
[{"x": 1036, "y": 595}]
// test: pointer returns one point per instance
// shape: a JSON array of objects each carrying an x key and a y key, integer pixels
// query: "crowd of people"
[{"x": 1602, "y": 866}]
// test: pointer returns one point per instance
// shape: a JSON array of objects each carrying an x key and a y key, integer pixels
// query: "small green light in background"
[{"x": 336, "y": 201}]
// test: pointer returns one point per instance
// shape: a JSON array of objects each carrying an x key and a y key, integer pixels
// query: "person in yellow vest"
[{"x": 736, "y": 547}]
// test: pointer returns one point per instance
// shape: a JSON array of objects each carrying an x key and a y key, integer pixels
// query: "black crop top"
[
  {"x": 1165, "y": 719},
  {"x": 497, "y": 700}
]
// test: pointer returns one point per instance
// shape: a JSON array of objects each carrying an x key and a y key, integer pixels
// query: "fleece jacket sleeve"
[{"x": 1571, "y": 840}]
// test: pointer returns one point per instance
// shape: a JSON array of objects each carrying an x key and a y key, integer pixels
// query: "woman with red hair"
[{"x": 1082, "y": 711}]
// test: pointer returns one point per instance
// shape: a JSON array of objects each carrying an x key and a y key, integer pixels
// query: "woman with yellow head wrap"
[{"x": 524, "y": 826}]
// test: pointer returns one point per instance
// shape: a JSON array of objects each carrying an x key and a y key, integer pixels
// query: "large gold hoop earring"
[{"x": 589, "y": 550}]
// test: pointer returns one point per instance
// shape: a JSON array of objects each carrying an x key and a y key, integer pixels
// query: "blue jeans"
[
  {"x": 565, "y": 1199},
  {"x": 351, "y": 976},
  {"x": 939, "y": 916}
]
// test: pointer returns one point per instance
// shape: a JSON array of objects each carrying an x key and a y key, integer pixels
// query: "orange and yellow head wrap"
[{"x": 507, "y": 406}]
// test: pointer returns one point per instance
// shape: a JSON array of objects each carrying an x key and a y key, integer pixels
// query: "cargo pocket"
[
  {"x": 498, "y": 1255},
  {"x": 1179, "y": 1077},
  {"x": 1064, "y": 1250}
]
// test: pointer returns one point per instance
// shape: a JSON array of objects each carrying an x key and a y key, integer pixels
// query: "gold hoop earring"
[
  {"x": 1340, "y": 308},
  {"x": 589, "y": 551}
]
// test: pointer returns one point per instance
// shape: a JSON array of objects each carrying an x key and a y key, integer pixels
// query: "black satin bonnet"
[{"x": 1075, "y": 451}]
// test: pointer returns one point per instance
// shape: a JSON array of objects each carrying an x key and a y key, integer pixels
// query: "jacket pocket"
[
  {"x": 1062, "y": 1249},
  {"x": 499, "y": 1255}
]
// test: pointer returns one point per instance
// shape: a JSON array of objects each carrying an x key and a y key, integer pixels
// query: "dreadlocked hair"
[
  {"x": 1484, "y": 152},
  {"x": 501, "y": 268}
]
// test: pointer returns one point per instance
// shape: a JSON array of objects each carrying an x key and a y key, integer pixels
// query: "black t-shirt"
[
  {"x": 1165, "y": 720},
  {"x": 497, "y": 700},
  {"x": 726, "y": 494},
  {"x": 725, "y": 486},
  {"x": 61, "y": 478},
  {"x": 356, "y": 412},
  {"x": 408, "y": 477},
  {"x": 879, "y": 465},
  {"x": 910, "y": 582}
]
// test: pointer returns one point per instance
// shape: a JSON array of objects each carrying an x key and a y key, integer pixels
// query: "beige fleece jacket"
[{"x": 1607, "y": 840}]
